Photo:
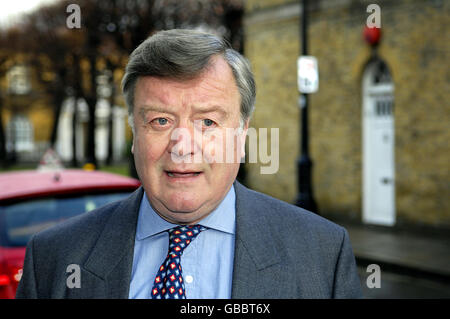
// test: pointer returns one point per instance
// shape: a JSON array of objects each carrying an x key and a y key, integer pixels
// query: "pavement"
[{"x": 425, "y": 258}]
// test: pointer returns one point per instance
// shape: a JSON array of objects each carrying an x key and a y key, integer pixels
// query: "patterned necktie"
[{"x": 169, "y": 282}]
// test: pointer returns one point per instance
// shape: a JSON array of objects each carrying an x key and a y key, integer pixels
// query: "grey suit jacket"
[{"x": 281, "y": 251}]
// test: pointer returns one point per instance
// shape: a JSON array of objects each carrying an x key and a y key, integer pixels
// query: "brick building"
[
  {"x": 379, "y": 122},
  {"x": 28, "y": 116}
]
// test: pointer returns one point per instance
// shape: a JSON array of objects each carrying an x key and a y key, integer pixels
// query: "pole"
[{"x": 305, "y": 198}]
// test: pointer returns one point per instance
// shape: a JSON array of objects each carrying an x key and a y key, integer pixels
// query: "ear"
[
  {"x": 131, "y": 124},
  {"x": 243, "y": 137}
]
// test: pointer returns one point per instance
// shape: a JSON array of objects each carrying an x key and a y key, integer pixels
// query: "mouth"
[{"x": 180, "y": 174}]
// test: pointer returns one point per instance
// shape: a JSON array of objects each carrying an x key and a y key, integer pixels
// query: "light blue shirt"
[{"x": 207, "y": 262}]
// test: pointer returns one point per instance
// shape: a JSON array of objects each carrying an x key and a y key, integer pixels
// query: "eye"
[
  {"x": 208, "y": 122},
  {"x": 160, "y": 121}
]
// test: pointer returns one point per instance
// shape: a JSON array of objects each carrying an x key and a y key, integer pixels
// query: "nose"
[{"x": 185, "y": 143}]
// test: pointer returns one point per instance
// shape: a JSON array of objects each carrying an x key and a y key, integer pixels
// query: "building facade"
[
  {"x": 28, "y": 117},
  {"x": 379, "y": 122}
]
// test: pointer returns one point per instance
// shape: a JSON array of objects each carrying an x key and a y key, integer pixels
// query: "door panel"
[{"x": 378, "y": 156}]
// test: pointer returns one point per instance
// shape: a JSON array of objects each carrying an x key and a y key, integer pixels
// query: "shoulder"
[
  {"x": 303, "y": 242},
  {"x": 75, "y": 234},
  {"x": 81, "y": 224},
  {"x": 80, "y": 232},
  {"x": 288, "y": 220}
]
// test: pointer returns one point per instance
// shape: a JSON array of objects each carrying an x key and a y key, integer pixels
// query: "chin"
[
  {"x": 184, "y": 213},
  {"x": 183, "y": 206},
  {"x": 178, "y": 200}
]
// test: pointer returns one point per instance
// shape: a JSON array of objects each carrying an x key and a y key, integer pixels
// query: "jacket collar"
[
  {"x": 111, "y": 258},
  {"x": 253, "y": 230},
  {"x": 256, "y": 256}
]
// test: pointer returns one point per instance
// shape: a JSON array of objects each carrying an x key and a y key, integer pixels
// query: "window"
[
  {"x": 19, "y": 221},
  {"x": 19, "y": 134},
  {"x": 19, "y": 80}
]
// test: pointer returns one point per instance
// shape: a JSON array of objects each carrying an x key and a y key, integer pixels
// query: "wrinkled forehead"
[{"x": 215, "y": 86}]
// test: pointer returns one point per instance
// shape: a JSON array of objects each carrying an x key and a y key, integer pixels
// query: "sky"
[{"x": 10, "y": 10}]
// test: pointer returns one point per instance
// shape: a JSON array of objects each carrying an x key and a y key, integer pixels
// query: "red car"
[{"x": 31, "y": 201}]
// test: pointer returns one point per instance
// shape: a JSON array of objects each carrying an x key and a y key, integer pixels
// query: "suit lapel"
[
  {"x": 258, "y": 268},
  {"x": 111, "y": 258}
]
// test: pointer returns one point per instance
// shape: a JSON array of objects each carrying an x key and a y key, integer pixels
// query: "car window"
[{"x": 19, "y": 221}]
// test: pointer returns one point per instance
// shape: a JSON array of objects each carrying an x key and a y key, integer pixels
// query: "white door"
[{"x": 378, "y": 147}]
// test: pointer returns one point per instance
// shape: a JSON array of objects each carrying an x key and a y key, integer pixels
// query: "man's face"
[{"x": 179, "y": 128}]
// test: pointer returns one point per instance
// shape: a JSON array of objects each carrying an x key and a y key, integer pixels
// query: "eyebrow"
[
  {"x": 153, "y": 108},
  {"x": 210, "y": 109}
]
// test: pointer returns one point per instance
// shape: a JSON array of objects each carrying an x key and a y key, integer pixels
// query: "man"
[{"x": 191, "y": 230}]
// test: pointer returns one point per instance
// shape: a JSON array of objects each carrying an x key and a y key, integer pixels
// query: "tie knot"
[{"x": 181, "y": 236}]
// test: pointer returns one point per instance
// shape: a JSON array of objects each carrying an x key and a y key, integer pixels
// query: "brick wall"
[{"x": 414, "y": 47}]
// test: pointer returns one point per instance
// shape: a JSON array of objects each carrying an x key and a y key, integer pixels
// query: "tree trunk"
[
  {"x": 90, "y": 151},
  {"x": 76, "y": 84},
  {"x": 112, "y": 99},
  {"x": 92, "y": 103},
  {"x": 74, "y": 131},
  {"x": 3, "y": 159},
  {"x": 57, "y": 100}
]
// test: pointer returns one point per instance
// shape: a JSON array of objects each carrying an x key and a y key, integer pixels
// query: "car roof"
[{"x": 35, "y": 183}]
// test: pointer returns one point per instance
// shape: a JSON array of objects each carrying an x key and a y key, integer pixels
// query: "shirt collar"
[{"x": 222, "y": 218}]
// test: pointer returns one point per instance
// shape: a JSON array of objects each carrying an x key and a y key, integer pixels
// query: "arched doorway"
[{"x": 378, "y": 145}]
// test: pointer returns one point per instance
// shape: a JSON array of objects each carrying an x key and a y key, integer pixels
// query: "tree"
[
  {"x": 11, "y": 42},
  {"x": 109, "y": 31},
  {"x": 50, "y": 45},
  {"x": 3, "y": 160}
]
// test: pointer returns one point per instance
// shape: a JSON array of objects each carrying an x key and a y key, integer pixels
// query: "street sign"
[
  {"x": 50, "y": 161},
  {"x": 307, "y": 74}
]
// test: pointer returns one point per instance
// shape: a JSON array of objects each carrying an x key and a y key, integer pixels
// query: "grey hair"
[{"x": 184, "y": 54}]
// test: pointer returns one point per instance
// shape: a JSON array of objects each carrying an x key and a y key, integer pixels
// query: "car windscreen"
[{"x": 19, "y": 221}]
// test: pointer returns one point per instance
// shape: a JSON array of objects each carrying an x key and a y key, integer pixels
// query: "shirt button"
[{"x": 189, "y": 279}]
